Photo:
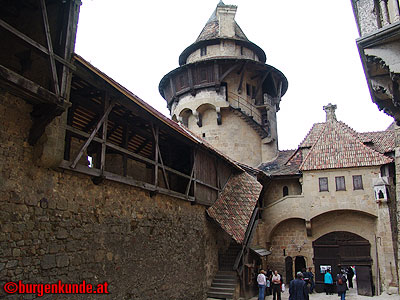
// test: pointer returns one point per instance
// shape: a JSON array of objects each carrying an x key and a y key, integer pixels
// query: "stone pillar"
[
  {"x": 394, "y": 11},
  {"x": 386, "y": 257},
  {"x": 49, "y": 149},
  {"x": 384, "y": 12},
  {"x": 397, "y": 184}
]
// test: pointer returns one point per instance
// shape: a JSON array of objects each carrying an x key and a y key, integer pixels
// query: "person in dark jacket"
[
  {"x": 341, "y": 284},
  {"x": 350, "y": 275},
  {"x": 298, "y": 288}
]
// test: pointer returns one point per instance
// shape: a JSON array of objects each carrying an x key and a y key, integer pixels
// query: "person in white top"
[
  {"x": 262, "y": 283},
  {"x": 276, "y": 286}
]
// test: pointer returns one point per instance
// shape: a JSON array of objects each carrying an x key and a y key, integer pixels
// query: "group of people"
[
  {"x": 303, "y": 284},
  {"x": 271, "y": 282},
  {"x": 345, "y": 276}
]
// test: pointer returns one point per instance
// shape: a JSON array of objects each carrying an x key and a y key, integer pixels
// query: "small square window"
[
  {"x": 203, "y": 51},
  {"x": 323, "y": 184},
  {"x": 340, "y": 183},
  {"x": 357, "y": 182}
]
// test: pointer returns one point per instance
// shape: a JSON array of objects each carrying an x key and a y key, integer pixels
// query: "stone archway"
[
  {"x": 339, "y": 249},
  {"x": 299, "y": 264}
]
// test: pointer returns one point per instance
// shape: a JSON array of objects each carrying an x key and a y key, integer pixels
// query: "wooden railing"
[{"x": 249, "y": 109}]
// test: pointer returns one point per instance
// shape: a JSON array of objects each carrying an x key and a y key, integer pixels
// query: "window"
[
  {"x": 285, "y": 191},
  {"x": 340, "y": 184},
  {"x": 241, "y": 50},
  {"x": 323, "y": 184},
  {"x": 253, "y": 91},
  {"x": 203, "y": 51},
  {"x": 203, "y": 74},
  {"x": 357, "y": 182},
  {"x": 248, "y": 89}
]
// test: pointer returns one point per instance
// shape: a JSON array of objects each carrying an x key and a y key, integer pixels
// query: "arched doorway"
[
  {"x": 299, "y": 264},
  {"x": 340, "y": 249},
  {"x": 289, "y": 269}
]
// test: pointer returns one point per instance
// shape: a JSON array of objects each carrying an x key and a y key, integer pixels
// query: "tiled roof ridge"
[
  {"x": 357, "y": 138},
  {"x": 312, "y": 147},
  {"x": 308, "y": 134}
]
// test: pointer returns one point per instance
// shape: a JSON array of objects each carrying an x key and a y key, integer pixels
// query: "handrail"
[{"x": 251, "y": 110}]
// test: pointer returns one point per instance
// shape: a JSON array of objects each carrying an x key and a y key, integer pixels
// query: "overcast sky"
[{"x": 312, "y": 42}]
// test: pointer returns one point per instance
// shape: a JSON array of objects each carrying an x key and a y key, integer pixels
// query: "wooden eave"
[{"x": 134, "y": 103}]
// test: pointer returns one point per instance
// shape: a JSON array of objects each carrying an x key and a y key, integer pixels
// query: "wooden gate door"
[
  {"x": 289, "y": 269},
  {"x": 364, "y": 280},
  {"x": 339, "y": 249}
]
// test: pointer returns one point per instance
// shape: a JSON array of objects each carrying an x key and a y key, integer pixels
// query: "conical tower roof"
[{"x": 212, "y": 34}]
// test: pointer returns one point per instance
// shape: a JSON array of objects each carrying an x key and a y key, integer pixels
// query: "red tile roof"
[
  {"x": 336, "y": 145},
  {"x": 233, "y": 209},
  {"x": 381, "y": 141}
]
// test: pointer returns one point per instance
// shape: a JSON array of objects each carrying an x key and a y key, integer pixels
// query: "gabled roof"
[
  {"x": 233, "y": 209},
  {"x": 336, "y": 145},
  {"x": 381, "y": 141},
  {"x": 280, "y": 166}
]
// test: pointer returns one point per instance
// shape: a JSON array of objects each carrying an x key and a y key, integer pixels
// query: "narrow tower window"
[
  {"x": 285, "y": 191},
  {"x": 203, "y": 51}
]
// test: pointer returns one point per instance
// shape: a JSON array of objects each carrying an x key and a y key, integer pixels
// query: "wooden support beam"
[
  {"x": 125, "y": 145},
  {"x": 125, "y": 180},
  {"x": 172, "y": 86},
  {"x": 242, "y": 71},
  {"x": 34, "y": 44},
  {"x": 228, "y": 72},
  {"x": 217, "y": 80},
  {"x": 155, "y": 145},
  {"x": 50, "y": 49},
  {"x": 104, "y": 135},
  {"x": 191, "y": 173},
  {"x": 88, "y": 141},
  {"x": 137, "y": 156},
  {"x": 159, "y": 156},
  {"x": 259, "y": 86},
  {"x": 190, "y": 80}
]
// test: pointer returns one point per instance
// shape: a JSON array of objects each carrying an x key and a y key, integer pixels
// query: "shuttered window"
[
  {"x": 357, "y": 182},
  {"x": 323, "y": 184},
  {"x": 340, "y": 183}
]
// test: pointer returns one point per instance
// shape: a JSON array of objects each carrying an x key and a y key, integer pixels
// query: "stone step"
[
  {"x": 231, "y": 284},
  {"x": 224, "y": 280},
  {"x": 220, "y": 295}
]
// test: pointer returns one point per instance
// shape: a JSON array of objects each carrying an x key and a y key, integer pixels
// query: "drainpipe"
[{"x": 378, "y": 281}]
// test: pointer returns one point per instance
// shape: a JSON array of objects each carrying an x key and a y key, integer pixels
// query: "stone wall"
[
  {"x": 58, "y": 225},
  {"x": 224, "y": 48},
  {"x": 286, "y": 220}
]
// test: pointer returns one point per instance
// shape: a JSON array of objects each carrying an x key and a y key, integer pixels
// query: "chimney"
[
  {"x": 330, "y": 112},
  {"x": 226, "y": 19}
]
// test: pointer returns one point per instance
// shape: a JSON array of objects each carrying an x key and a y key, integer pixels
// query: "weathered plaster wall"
[
  {"x": 224, "y": 48},
  {"x": 284, "y": 219},
  {"x": 58, "y": 225}
]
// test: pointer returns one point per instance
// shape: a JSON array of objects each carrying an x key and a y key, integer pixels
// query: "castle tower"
[{"x": 224, "y": 92}]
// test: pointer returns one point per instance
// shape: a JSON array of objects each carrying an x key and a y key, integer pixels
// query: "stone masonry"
[{"x": 58, "y": 225}]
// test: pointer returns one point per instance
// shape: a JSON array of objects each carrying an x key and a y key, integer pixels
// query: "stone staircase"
[
  {"x": 224, "y": 283},
  {"x": 249, "y": 120}
]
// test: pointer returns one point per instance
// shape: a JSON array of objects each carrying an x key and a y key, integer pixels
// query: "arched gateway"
[{"x": 341, "y": 249}]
